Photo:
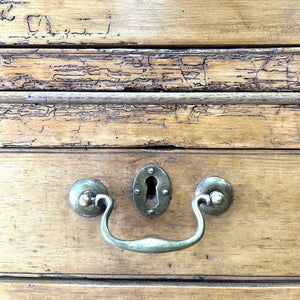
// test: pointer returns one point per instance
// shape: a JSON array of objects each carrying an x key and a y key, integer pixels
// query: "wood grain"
[
  {"x": 37, "y": 289},
  {"x": 271, "y": 69},
  {"x": 177, "y": 125},
  {"x": 40, "y": 235},
  {"x": 193, "y": 22},
  {"x": 37, "y": 97}
]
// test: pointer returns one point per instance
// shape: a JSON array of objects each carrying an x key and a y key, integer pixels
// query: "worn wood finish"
[
  {"x": 274, "y": 69},
  {"x": 197, "y": 126},
  {"x": 37, "y": 289},
  {"x": 193, "y": 22},
  {"x": 37, "y": 97},
  {"x": 41, "y": 235}
]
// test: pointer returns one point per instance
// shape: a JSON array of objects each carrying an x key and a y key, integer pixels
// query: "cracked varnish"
[
  {"x": 117, "y": 125},
  {"x": 40, "y": 235},
  {"x": 273, "y": 69},
  {"x": 193, "y": 22}
]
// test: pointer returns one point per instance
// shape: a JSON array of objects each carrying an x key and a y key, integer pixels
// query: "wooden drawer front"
[
  {"x": 194, "y": 22},
  {"x": 45, "y": 289},
  {"x": 41, "y": 235}
]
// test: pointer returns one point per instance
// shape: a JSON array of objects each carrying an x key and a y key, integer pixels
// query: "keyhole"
[{"x": 151, "y": 196}]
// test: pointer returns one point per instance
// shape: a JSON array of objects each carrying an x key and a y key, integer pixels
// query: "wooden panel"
[
  {"x": 19, "y": 289},
  {"x": 40, "y": 234},
  {"x": 181, "y": 22},
  {"x": 274, "y": 69},
  {"x": 179, "y": 125}
]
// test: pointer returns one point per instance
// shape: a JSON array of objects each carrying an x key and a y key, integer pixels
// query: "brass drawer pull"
[{"x": 89, "y": 196}]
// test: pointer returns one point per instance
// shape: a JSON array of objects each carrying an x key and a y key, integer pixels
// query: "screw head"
[
  {"x": 217, "y": 198},
  {"x": 137, "y": 191},
  {"x": 165, "y": 192},
  {"x": 151, "y": 171}
]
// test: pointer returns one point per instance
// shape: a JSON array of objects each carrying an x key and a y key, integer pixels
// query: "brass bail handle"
[{"x": 89, "y": 197}]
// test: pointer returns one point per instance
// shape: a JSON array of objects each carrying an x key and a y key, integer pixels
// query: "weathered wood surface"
[
  {"x": 274, "y": 69},
  {"x": 38, "y": 289},
  {"x": 37, "y": 97},
  {"x": 41, "y": 235},
  {"x": 114, "y": 125},
  {"x": 193, "y": 22}
]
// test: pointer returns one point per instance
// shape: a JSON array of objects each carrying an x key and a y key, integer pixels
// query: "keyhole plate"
[{"x": 152, "y": 191}]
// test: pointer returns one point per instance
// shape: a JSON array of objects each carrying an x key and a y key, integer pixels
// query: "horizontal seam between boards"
[
  {"x": 137, "y": 277},
  {"x": 131, "y": 45},
  {"x": 145, "y": 151}
]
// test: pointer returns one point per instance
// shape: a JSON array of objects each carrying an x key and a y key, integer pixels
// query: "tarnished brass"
[
  {"x": 85, "y": 200},
  {"x": 152, "y": 191},
  {"x": 82, "y": 197},
  {"x": 221, "y": 195}
]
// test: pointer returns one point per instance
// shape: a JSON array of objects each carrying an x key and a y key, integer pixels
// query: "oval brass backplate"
[{"x": 152, "y": 191}]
